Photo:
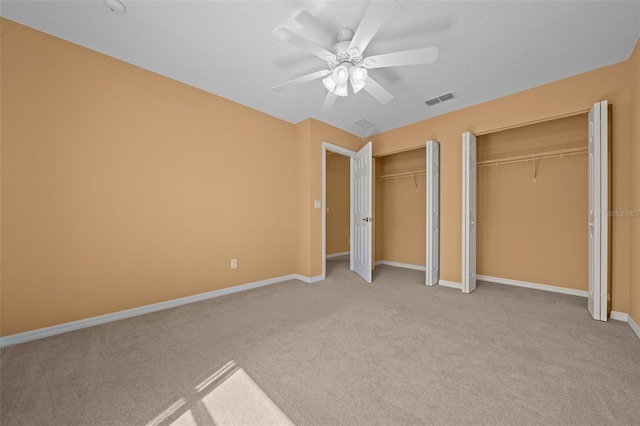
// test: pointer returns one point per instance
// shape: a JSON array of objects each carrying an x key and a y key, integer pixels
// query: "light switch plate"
[{"x": 316, "y": 204}]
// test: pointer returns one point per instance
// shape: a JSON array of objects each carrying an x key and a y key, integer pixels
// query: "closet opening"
[
  {"x": 400, "y": 211},
  {"x": 532, "y": 207}
]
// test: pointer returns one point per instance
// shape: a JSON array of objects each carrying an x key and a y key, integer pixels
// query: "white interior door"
[
  {"x": 433, "y": 212},
  {"x": 598, "y": 225},
  {"x": 361, "y": 181},
  {"x": 468, "y": 212}
]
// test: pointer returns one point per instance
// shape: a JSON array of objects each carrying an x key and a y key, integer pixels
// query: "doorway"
[
  {"x": 360, "y": 206},
  {"x": 337, "y": 209}
]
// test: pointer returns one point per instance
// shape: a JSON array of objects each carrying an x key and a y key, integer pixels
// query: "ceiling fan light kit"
[
  {"x": 336, "y": 82},
  {"x": 346, "y": 63}
]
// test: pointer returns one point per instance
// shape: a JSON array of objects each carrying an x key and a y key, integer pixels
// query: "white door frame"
[
  {"x": 432, "y": 188},
  {"x": 326, "y": 146}
]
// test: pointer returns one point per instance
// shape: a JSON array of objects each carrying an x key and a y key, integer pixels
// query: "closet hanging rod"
[
  {"x": 403, "y": 174},
  {"x": 536, "y": 156}
]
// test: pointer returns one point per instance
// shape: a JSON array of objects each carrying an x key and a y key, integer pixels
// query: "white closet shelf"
[{"x": 533, "y": 157}]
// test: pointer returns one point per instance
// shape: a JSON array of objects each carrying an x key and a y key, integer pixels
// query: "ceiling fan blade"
[
  {"x": 374, "y": 17},
  {"x": 312, "y": 28},
  {"x": 288, "y": 36},
  {"x": 408, "y": 57},
  {"x": 327, "y": 105},
  {"x": 381, "y": 94},
  {"x": 301, "y": 80}
]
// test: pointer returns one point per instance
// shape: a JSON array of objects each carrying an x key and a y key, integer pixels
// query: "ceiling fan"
[{"x": 346, "y": 63}]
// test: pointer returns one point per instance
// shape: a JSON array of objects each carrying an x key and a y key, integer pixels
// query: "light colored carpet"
[{"x": 340, "y": 352}]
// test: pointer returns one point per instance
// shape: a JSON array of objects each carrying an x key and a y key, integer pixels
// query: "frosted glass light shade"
[
  {"x": 340, "y": 74},
  {"x": 358, "y": 78},
  {"x": 341, "y": 90},
  {"x": 329, "y": 83},
  {"x": 358, "y": 86}
]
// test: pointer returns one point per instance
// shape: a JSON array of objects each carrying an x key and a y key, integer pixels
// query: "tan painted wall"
[
  {"x": 402, "y": 208},
  {"x": 128, "y": 188},
  {"x": 338, "y": 203},
  {"x": 567, "y": 96},
  {"x": 534, "y": 231},
  {"x": 302, "y": 256},
  {"x": 122, "y": 188},
  {"x": 634, "y": 289}
]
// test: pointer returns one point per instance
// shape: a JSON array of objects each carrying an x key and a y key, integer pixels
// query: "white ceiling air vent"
[
  {"x": 440, "y": 99},
  {"x": 364, "y": 123}
]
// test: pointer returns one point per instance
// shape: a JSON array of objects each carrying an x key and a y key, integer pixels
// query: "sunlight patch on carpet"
[
  {"x": 232, "y": 398},
  {"x": 240, "y": 401}
]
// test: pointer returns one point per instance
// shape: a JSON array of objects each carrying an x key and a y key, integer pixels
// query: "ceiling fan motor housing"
[
  {"x": 345, "y": 34},
  {"x": 341, "y": 50}
]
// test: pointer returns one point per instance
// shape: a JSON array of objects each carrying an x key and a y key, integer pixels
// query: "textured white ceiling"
[{"x": 487, "y": 49}]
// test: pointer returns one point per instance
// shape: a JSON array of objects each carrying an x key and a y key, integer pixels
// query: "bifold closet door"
[
  {"x": 468, "y": 212},
  {"x": 433, "y": 212},
  {"x": 598, "y": 211}
]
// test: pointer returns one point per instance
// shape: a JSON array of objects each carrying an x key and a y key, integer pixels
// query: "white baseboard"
[
  {"x": 634, "y": 326},
  {"x": 614, "y": 315},
  {"x": 619, "y": 316},
  {"x": 401, "y": 265},
  {"x": 308, "y": 280},
  {"x": 624, "y": 317},
  {"x": 331, "y": 256},
  {"x": 535, "y": 286},
  {"x": 452, "y": 284},
  {"x": 41, "y": 333}
]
